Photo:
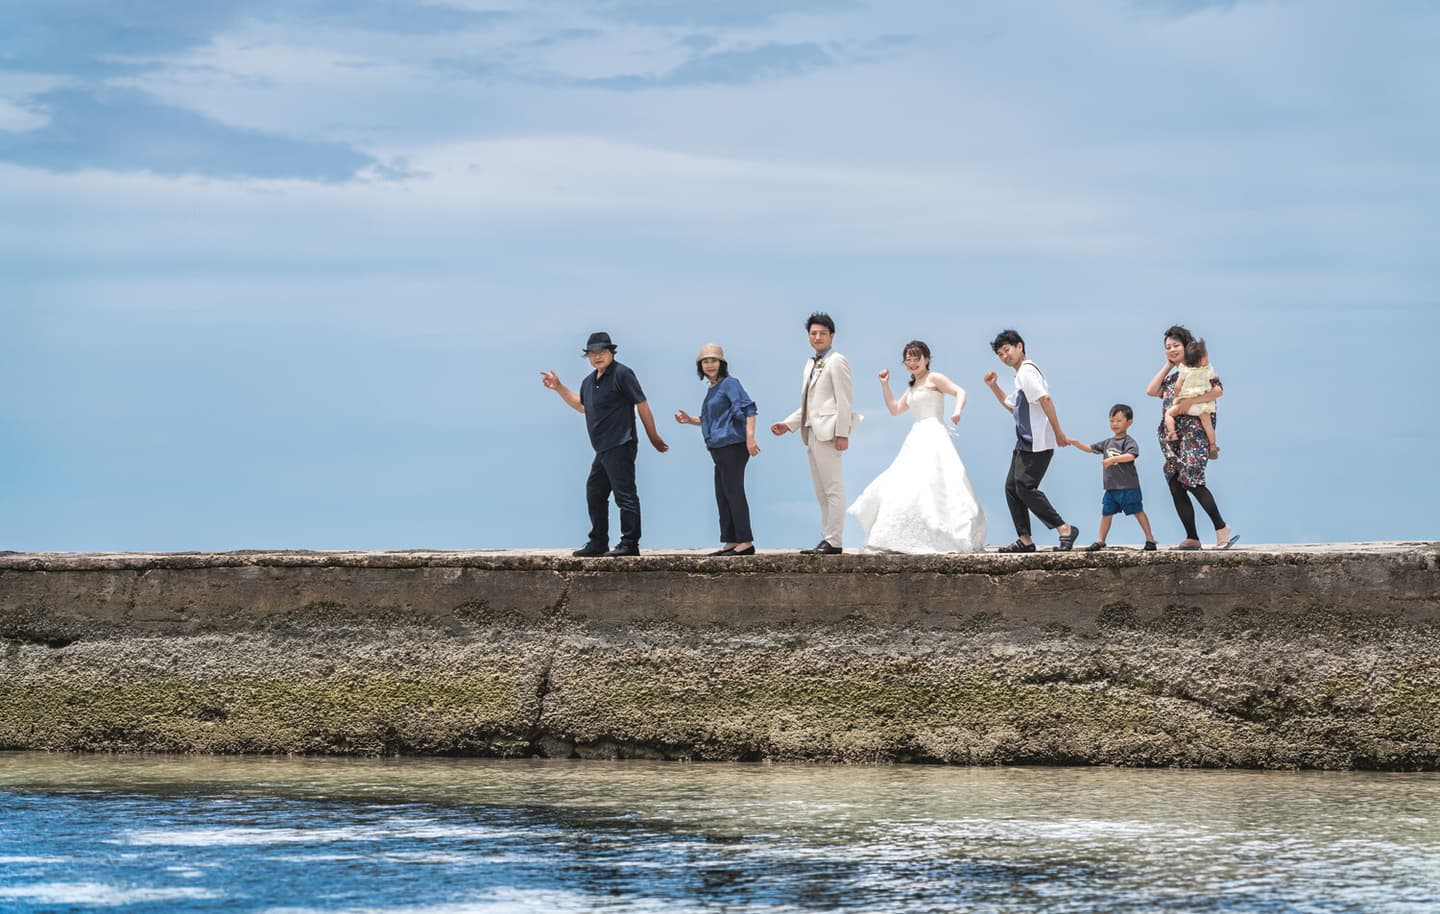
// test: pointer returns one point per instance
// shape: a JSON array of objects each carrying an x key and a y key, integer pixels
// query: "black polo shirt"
[{"x": 610, "y": 403}]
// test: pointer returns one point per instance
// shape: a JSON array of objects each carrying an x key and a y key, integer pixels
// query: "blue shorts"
[{"x": 1117, "y": 500}]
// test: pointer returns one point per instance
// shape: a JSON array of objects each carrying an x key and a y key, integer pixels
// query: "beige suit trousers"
[{"x": 829, "y": 476}]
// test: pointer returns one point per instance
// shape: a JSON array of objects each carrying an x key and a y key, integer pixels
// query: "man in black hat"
[{"x": 609, "y": 398}]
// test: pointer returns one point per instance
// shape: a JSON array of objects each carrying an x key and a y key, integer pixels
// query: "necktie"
[{"x": 805, "y": 394}]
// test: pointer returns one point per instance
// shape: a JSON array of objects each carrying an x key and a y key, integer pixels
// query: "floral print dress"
[{"x": 1186, "y": 458}]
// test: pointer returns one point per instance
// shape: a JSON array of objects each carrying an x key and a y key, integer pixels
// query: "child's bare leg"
[
  {"x": 1208, "y": 423},
  {"x": 1145, "y": 526},
  {"x": 1105, "y": 520},
  {"x": 1170, "y": 426}
]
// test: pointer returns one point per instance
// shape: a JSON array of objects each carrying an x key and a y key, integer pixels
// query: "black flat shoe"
[
  {"x": 823, "y": 548},
  {"x": 1068, "y": 542},
  {"x": 1017, "y": 546},
  {"x": 623, "y": 549},
  {"x": 728, "y": 550},
  {"x": 590, "y": 549},
  {"x": 748, "y": 550}
]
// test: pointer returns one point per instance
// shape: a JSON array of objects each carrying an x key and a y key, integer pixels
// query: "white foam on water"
[
  {"x": 22, "y": 860},
  {"x": 250, "y": 836},
  {"x": 95, "y": 893},
  {"x": 527, "y": 901},
  {"x": 237, "y": 837},
  {"x": 508, "y": 901}
]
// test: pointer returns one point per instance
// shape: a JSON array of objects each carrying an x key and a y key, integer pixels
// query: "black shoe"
[
  {"x": 728, "y": 550},
  {"x": 623, "y": 549},
  {"x": 590, "y": 549},
  {"x": 748, "y": 550},
  {"x": 1095, "y": 546},
  {"x": 1017, "y": 546},
  {"x": 823, "y": 548},
  {"x": 1068, "y": 542},
  {"x": 1150, "y": 546}
]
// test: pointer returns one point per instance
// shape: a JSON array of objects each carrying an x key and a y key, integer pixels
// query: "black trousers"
[
  {"x": 613, "y": 471},
  {"x": 1022, "y": 491},
  {"x": 1180, "y": 494},
  {"x": 730, "y": 499}
]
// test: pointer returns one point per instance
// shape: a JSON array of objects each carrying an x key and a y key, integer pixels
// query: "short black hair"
[
  {"x": 821, "y": 318},
  {"x": 1123, "y": 408},
  {"x": 724, "y": 371},
  {"x": 1006, "y": 338},
  {"x": 1179, "y": 334}
]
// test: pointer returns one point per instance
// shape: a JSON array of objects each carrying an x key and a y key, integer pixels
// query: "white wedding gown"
[{"x": 923, "y": 502}]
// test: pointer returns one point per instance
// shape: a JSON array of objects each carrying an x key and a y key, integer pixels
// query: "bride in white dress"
[{"x": 923, "y": 502}]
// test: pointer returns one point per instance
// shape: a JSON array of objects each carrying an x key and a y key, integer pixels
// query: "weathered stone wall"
[{"x": 1298, "y": 657}]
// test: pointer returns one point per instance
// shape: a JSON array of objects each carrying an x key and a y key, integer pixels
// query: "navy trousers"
[
  {"x": 730, "y": 498},
  {"x": 614, "y": 472}
]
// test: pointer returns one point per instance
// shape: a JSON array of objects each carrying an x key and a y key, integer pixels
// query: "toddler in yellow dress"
[{"x": 1195, "y": 377}]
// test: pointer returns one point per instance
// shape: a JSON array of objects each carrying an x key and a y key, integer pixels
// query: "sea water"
[{"x": 446, "y": 836}]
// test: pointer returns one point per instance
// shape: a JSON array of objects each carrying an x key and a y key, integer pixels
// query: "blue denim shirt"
[{"x": 722, "y": 415}]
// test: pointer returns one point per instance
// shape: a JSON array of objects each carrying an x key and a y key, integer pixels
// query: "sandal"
[
  {"x": 1150, "y": 546},
  {"x": 1017, "y": 546},
  {"x": 1068, "y": 542},
  {"x": 1186, "y": 547},
  {"x": 1095, "y": 546}
]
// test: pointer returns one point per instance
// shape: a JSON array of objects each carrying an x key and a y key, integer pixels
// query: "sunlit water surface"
[{"x": 82, "y": 833}]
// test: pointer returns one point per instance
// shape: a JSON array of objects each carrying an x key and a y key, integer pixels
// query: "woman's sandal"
[
  {"x": 1067, "y": 542},
  {"x": 1095, "y": 546},
  {"x": 1017, "y": 546}
]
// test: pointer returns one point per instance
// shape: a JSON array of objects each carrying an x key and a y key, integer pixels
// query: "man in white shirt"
[{"x": 1037, "y": 433}]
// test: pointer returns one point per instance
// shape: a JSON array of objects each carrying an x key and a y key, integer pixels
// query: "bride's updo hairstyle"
[{"x": 916, "y": 347}]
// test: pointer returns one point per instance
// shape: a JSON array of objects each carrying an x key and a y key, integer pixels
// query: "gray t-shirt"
[{"x": 1120, "y": 475}]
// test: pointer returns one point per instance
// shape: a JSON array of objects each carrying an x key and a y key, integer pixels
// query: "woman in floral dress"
[{"x": 1187, "y": 455}]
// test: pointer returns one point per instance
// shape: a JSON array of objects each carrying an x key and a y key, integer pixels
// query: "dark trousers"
[
  {"x": 1022, "y": 491},
  {"x": 613, "y": 471},
  {"x": 730, "y": 463},
  {"x": 1180, "y": 494}
]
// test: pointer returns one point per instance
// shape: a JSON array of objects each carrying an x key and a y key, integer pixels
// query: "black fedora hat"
[{"x": 599, "y": 340}]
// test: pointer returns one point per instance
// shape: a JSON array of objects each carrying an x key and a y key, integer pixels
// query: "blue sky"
[{"x": 283, "y": 274}]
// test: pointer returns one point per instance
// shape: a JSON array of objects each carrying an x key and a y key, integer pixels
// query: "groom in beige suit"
[{"x": 824, "y": 421}]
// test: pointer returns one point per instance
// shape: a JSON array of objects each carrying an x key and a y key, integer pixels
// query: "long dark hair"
[{"x": 919, "y": 348}]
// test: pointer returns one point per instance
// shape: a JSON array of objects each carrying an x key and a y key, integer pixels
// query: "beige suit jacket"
[{"x": 829, "y": 397}]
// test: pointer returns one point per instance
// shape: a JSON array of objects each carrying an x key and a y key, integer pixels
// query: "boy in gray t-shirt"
[{"x": 1122, "y": 482}]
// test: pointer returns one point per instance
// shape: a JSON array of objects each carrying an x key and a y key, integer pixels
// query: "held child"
[
  {"x": 1195, "y": 377},
  {"x": 1122, "y": 482}
]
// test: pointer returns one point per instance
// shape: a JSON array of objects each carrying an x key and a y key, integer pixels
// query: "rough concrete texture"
[{"x": 1308, "y": 656}]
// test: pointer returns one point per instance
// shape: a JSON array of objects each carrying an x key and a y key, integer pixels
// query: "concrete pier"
[{"x": 1323, "y": 656}]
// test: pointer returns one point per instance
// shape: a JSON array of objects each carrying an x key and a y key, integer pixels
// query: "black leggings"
[{"x": 1181, "y": 494}]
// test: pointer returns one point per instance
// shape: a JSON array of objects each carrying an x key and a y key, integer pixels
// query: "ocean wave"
[{"x": 95, "y": 893}]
